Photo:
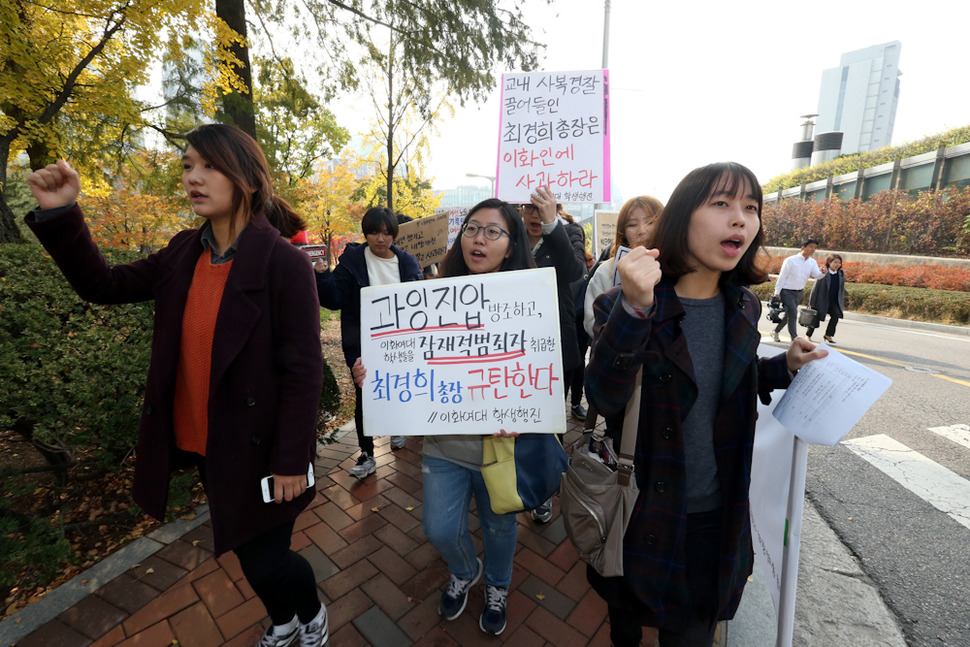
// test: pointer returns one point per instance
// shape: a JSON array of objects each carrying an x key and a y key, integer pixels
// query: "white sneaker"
[
  {"x": 397, "y": 442},
  {"x": 316, "y": 632},
  {"x": 281, "y": 635},
  {"x": 365, "y": 466},
  {"x": 774, "y": 336}
]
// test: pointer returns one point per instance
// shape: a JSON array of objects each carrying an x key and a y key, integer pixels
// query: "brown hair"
[
  {"x": 237, "y": 156},
  {"x": 692, "y": 192},
  {"x": 652, "y": 206},
  {"x": 832, "y": 257}
]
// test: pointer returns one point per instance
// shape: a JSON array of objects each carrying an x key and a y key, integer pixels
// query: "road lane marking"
[
  {"x": 951, "y": 379},
  {"x": 959, "y": 434},
  {"x": 889, "y": 361},
  {"x": 893, "y": 363},
  {"x": 935, "y": 484}
]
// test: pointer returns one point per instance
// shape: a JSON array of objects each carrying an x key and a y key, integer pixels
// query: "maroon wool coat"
[{"x": 266, "y": 373}]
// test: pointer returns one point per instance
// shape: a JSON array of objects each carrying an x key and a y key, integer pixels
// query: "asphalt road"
[{"x": 913, "y": 551}]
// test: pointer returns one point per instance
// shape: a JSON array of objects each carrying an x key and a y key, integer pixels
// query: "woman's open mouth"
[{"x": 733, "y": 245}]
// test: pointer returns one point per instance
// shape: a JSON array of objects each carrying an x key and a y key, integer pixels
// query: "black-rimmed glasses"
[{"x": 492, "y": 232}]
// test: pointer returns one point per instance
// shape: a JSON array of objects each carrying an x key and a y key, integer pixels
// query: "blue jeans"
[{"x": 448, "y": 489}]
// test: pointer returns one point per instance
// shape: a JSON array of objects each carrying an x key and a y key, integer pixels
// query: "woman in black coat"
[
  {"x": 827, "y": 297},
  {"x": 236, "y": 368}
]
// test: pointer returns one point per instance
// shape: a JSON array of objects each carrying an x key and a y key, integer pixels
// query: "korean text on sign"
[
  {"x": 555, "y": 131},
  {"x": 466, "y": 355}
]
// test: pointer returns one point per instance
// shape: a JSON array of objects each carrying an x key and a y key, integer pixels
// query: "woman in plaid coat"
[{"x": 684, "y": 314}]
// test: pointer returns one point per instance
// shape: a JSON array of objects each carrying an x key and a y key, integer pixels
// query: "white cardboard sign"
[
  {"x": 463, "y": 355},
  {"x": 555, "y": 131}
]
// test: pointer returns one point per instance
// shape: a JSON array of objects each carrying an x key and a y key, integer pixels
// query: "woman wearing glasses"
[{"x": 492, "y": 240}]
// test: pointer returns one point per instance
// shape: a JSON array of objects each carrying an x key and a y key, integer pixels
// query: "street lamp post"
[{"x": 490, "y": 178}]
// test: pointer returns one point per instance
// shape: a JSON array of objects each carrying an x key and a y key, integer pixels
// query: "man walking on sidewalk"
[{"x": 794, "y": 275}]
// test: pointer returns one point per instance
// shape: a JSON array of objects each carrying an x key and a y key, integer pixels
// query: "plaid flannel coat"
[{"x": 654, "y": 586}]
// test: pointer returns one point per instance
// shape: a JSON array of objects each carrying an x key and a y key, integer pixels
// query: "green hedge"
[
  {"x": 74, "y": 373},
  {"x": 917, "y": 304}
]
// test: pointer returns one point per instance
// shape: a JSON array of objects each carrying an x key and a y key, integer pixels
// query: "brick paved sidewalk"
[{"x": 378, "y": 575}]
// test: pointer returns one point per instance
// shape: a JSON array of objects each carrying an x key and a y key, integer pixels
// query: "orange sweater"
[{"x": 191, "y": 409}]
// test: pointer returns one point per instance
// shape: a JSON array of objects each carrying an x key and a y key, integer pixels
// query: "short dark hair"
[
  {"x": 809, "y": 241},
  {"x": 378, "y": 220},
  {"x": 521, "y": 256},
  {"x": 670, "y": 237}
]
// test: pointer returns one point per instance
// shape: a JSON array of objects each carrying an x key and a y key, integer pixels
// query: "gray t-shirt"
[
  {"x": 461, "y": 450},
  {"x": 707, "y": 355}
]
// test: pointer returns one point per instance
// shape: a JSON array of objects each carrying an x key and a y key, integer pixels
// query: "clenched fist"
[
  {"x": 55, "y": 185},
  {"x": 639, "y": 272}
]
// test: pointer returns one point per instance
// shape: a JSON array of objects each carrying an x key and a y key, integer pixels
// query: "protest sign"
[
  {"x": 555, "y": 131},
  {"x": 771, "y": 474},
  {"x": 621, "y": 251},
  {"x": 463, "y": 355},
  {"x": 426, "y": 239},
  {"x": 456, "y": 216},
  {"x": 824, "y": 400},
  {"x": 604, "y": 229},
  {"x": 315, "y": 251}
]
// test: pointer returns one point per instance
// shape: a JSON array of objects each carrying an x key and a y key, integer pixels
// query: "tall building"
[{"x": 859, "y": 98}]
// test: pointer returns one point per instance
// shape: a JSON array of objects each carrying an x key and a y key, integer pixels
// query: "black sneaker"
[
  {"x": 455, "y": 597},
  {"x": 579, "y": 412},
  {"x": 493, "y": 615}
]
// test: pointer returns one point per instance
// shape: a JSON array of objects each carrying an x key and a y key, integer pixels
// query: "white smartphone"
[{"x": 266, "y": 483}]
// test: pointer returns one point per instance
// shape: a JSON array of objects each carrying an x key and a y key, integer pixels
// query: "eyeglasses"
[{"x": 492, "y": 232}]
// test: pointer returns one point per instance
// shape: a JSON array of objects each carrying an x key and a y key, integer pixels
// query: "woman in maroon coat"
[{"x": 236, "y": 368}]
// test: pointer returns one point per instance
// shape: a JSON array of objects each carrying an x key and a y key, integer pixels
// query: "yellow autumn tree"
[
  {"x": 413, "y": 195},
  {"x": 68, "y": 72},
  {"x": 326, "y": 201},
  {"x": 145, "y": 207}
]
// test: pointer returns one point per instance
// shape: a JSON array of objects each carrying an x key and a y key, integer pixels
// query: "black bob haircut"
[
  {"x": 378, "y": 220},
  {"x": 692, "y": 192}
]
